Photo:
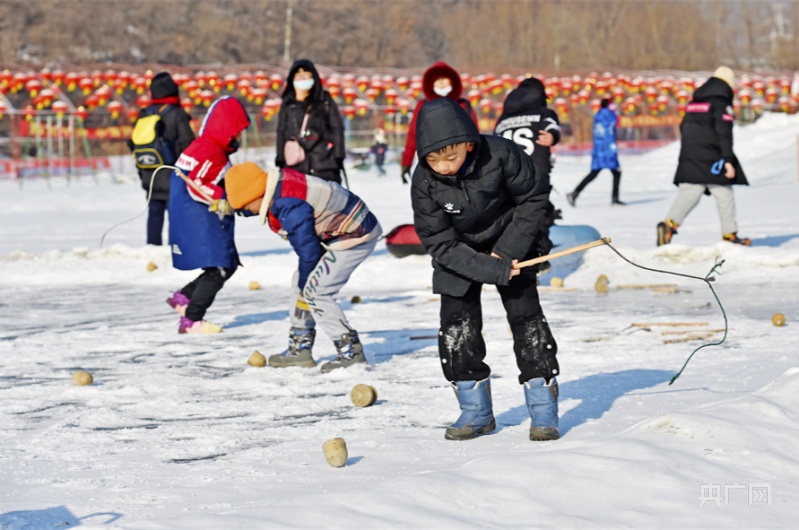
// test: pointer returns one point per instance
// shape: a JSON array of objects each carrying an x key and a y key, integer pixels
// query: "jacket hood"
[
  {"x": 437, "y": 71},
  {"x": 226, "y": 118},
  {"x": 713, "y": 87},
  {"x": 530, "y": 93},
  {"x": 163, "y": 86},
  {"x": 316, "y": 92},
  {"x": 443, "y": 122}
]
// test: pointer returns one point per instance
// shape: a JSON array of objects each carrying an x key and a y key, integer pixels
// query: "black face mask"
[{"x": 234, "y": 145}]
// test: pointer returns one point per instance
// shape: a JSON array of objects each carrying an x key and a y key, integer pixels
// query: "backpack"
[{"x": 147, "y": 142}]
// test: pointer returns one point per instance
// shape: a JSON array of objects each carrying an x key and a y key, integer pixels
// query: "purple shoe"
[
  {"x": 178, "y": 301},
  {"x": 197, "y": 326}
]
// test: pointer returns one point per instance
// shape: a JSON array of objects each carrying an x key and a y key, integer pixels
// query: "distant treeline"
[{"x": 545, "y": 36}]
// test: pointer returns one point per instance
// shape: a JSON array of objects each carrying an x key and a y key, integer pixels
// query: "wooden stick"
[
  {"x": 560, "y": 254},
  {"x": 683, "y": 332},
  {"x": 194, "y": 186},
  {"x": 645, "y": 285},
  {"x": 654, "y": 324},
  {"x": 700, "y": 336},
  {"x": 423, "y": 337}
]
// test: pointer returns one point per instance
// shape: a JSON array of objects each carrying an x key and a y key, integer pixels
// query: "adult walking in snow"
[
  {"x": 438, "y": 81},
  {"x": 310, "y": 133},
  {"x": 707, "y": 164},
  {"x": 604, "y": 154}
]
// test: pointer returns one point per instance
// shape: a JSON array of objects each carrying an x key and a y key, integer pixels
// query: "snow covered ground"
[{"x": 179, "y": 432}]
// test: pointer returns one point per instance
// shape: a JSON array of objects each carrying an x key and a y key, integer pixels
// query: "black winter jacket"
[
  {"x": 524, "y": 115},
  {"x": 706, "y": 141},
  {"x": 324, "y": 133},
  {"x": 177, "y": 130},
  {"x": 495, "y": 204}
]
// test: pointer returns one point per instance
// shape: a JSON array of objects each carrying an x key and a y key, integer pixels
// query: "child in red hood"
[
  {"x": 201, "y": 221},
  {"x": 438, "y": 81}
]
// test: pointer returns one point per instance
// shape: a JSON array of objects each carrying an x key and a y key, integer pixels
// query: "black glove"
[{"x": 406, "y": 173}]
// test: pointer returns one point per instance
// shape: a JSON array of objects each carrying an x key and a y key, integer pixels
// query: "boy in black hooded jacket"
[{"x": 478, "y": 208}]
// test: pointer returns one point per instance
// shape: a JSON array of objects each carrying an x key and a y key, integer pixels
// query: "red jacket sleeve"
[{"x": 410, "y": 142}]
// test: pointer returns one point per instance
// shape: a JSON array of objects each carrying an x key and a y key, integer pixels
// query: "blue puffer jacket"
[{"x": 604, "y": 154}]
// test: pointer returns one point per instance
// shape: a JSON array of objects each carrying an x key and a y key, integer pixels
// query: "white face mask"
[
  {"x": 442, "y": 91},
  {"x": 303, "y": 84}
]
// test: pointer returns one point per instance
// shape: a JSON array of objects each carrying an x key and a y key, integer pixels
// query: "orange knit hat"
[{"x": 244, "y": 183}]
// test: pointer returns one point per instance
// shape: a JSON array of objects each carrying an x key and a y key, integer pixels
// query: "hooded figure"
[
  {"x": 706, "y": 132},
  {"x": 707, "y": 164},
  {"x": 322, "y": 138},
  {"x": 198, "y": 237},
  {"x": 524, "y": 116},
  {"x": 165, "y": 101},
  {"x": 439, "y": 81},
  {"x": 478, "y": 208}
]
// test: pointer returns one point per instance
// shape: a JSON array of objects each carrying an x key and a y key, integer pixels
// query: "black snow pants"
[
  {"x": 460, "y": 341},
  {"x": 203, "y": 289}
]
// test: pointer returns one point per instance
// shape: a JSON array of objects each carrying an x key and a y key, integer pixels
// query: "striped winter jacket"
[{"x": 315, "y": 215}]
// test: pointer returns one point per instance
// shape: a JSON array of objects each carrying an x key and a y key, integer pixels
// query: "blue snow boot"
[
  {"x": 542, "y": 403},
  {"x": 477, "y": 416}
]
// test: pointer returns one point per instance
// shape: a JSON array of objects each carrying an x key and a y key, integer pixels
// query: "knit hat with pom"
[{"x": 244, "y": 183}]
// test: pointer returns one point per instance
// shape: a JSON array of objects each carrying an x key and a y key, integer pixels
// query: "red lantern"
[
  {"x": 110, "y": 76},
  {"x": 618, "y": 95},
  {"x": 662, "y": 103},
  {"x": 33, "y": 86},
  {"x": 474, "y": 97},
  {"x": 275, "y": 81},
  {"x": 595, "y": 105},
  {"x": 187, "y": 104},
  {"x": 81, "y": 113},
  {"x": 771, "y": 95},
  {"x": 404, "y": 106},
  {"x": 230, "y": 81},
  {"x": 46, "y": 96},
  {"x": 60, "y": 108},
  {"x": 415, "y": 88},
  {"x": 390, "y": 110},
  {"x": 403, "y": 83},
  {"x": 362, "y": 82},
  {"x": 192, "y": 88},
  {"x": 485, "y": 105},
  {"x": 258, "y": 95},
  {"x": 114, "y": 108},
  {"x": 745, "y": 95},
  {"x": 348, "y": 111},
  {"x": 266, "y": 112},
  {"x": 261, "y": 81},
  {"x": 244, "y": 87},
  {"x": 143, "y": 101},
  {"x": 213, "y": 80},
  {"x": 91, "y": 101},
  {"x": 201, "y": 78},
  {"x": 561, "y": 106},
  {"x": 349, "y": 95},
  {"x": 372, "y": 93},
  {"x": 391, "y": 96},
  {"x": 3, "y": 109},
  {"x": 86, "y": 85},
  {"x": 629, "y": 106},
  {"x": 140, "y": 85},
  {"x": 682, "y": 97},
  {"x": 582, "y": 97},
  {"x": 758, "y": 105},
  {"x": 361, "y": 107},
  {"x": 29, "y": 112},
  {"x": 784, "y": 103},
  {"x": 132, "y": 114},
  {"x": 207, "y": 97}
]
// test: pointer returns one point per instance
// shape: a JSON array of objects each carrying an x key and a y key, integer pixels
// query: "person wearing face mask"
[
  {"x": 439, "y": 81},
  {"x": 309, "y": 117},
  {"x": 201, "y": 222}
]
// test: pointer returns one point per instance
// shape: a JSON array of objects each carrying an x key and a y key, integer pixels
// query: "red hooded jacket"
[{"x": 437, "y": 71}]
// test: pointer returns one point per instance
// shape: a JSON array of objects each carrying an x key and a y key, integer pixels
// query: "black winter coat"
[
  {"x": 706, "y": 141},
  {"x": 177, "y": 130},
  {"x": 495, "y": 204},
  {"x": 324, "y": 133},
  {"x": 524, "y": 115}
]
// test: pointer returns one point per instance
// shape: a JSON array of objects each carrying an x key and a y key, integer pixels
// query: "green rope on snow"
[{"x": 707, "y": 279}]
